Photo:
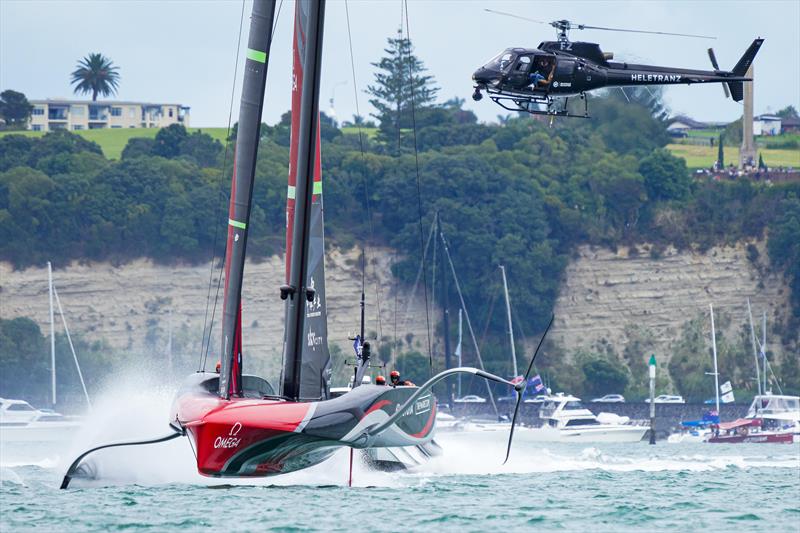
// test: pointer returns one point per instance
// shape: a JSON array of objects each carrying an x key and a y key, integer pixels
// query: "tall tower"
[{"x": 747, "y": 153}]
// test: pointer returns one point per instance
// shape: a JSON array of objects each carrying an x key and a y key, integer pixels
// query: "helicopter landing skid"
[{"x": 531, "y": 104}]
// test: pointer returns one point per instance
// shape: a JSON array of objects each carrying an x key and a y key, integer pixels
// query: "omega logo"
[{"x": 231, "y": 441}]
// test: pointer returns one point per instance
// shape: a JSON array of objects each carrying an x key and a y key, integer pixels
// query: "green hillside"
[{"x": 113, "y": 141}]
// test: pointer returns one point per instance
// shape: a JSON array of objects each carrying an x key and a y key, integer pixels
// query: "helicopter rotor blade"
[
  {"x": 714, "y": 64},
  {"x": 587, "y": 27},
  {"x": 512, "y": 15}
]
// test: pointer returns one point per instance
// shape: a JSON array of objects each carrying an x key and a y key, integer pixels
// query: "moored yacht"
[
  {"x": 770, "y": 418},
  {"x": 21, "y": 422},
  {"x": 566, "y": 419}
]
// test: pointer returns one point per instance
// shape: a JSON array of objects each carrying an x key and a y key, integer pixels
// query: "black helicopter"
[{"x": 541, "y": 80}]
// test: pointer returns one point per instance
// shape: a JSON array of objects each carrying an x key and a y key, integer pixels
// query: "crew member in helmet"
[
  {"x": 380, "y": 380},
  {"x": 219, "y": 365},
  {"x": 394, "y": 377}
]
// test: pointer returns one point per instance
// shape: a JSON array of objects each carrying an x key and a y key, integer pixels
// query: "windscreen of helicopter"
[{"x": 501, "y": 62}]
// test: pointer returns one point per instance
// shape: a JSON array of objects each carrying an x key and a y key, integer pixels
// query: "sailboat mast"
[
  {"x": 714, "y": 348},
  {"x": 296, "y": 292},
  {"x": 753, "y": 341},
  {"x": 510, "y": 325},
  {"x": 52, "y": 335},
  {"x": 247, "y": 137},
  {"x": 445, "y": 314},
  {"x": 764, "y": 347}
]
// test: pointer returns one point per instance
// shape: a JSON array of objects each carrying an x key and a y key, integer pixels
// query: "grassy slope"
[
  {"x": 113, "y": 141},
  {"x": 704, "y": 156}
]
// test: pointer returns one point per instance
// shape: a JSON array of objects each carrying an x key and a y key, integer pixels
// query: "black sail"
[
  {"x": 306, "y": 359},
  {"x": 248, "y": 134}
]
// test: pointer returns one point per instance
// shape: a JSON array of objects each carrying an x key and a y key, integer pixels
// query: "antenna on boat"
[{"x": 520, "y": 387}]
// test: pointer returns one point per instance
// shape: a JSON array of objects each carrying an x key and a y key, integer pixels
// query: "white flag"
[
  {"x": 728, "y": 397},
  {"x": 725, "y": 387}
]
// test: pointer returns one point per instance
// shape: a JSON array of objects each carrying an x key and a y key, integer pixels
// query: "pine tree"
[
  {"x": 401, "y": 75},
  {"x": 720, "y": 154},
  {"x": 761, "y": 164}
]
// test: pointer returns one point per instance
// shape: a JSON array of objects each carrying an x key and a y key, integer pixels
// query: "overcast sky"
[{"x": 184, "y": 50}]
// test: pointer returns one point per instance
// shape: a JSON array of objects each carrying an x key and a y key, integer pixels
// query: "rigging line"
[
  {"x": 466, "y": 315},
  {"x": 220, "y": 196},
  {"x": 364, "y": 175},
  {"x": 413, "y": 293},
  {"x": 521, "y": 332},
  {"x": 419, "y": 185}
]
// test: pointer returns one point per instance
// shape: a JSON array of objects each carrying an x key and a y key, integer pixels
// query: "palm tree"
[{"x": 95, "y": 74}]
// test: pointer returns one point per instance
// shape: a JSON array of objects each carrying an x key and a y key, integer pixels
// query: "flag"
[
  {"x": 536, "y": 383},
  {"x": 725, "y": 387},
  {"x": 357, "y": 345},
  {"x": 518, "y": 379},
  {"x": 728, "y": 397}
]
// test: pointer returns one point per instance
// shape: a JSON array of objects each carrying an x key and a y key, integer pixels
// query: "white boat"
[
  {"x": 21, "y": 422},
  {"x": 565, "y": 420},
  {"x": 778, "y": 412}
]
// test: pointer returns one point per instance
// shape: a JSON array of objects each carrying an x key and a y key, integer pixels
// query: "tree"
[
  {"x": 95, "y": 74},
  {"x": 401, "y": 77},
  {"x": 665, "y": 176},
  {"x": 761, "y": 164},
  {"x": 169, "y": 139},
  {"x": 788, "y": 112},
  {"x": 603, "y": 376},
  {"x": 137, "y": 147},
  {"x": 15, "y": 109},
  {"x": 720, "y": 153}
]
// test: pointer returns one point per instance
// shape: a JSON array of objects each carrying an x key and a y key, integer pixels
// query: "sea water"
[{"x": 569, "y": 487}]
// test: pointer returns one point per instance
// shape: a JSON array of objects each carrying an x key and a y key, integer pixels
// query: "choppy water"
[{"x": 601, "y": 487}]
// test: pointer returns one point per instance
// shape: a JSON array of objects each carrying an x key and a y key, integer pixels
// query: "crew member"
[
  {"x": 380, "y": 380},
  {"x": 543, "y": 74},
  {"x": 394, "y": 377},
  {"x": 219, "y": 365}
]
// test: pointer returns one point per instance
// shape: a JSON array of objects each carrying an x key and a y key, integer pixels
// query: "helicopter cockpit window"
[
  {"x": 523, "y": 64},
  {"x": 501, "y": 62}
]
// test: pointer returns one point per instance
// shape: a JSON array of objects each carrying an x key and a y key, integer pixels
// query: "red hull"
[
  {"x": 244, "y": 437},
  {"x": 783, "y": 438}
]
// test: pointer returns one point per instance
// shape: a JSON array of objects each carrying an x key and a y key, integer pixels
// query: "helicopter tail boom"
[{"x": 741, "y": 68}]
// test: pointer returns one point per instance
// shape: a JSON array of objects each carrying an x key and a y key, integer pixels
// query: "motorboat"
[
  {"x": 21, "y": 422},
  {"x": 778, "y": 412},
  {"x": 695, "y": 430},
  {"x": 747, "y": 431},
  {"x": 566, "y": 419},
  {"x": 771, "y": 418}
]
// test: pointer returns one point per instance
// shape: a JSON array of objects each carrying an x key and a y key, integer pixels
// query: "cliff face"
[
  {"x": 125, "y": 304},
  {"x": 605, "y": 291}
]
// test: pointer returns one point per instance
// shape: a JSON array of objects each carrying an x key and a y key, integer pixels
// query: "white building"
[
  {"x": 766, "y": 125},
  {"x": 76, "y": 115}
]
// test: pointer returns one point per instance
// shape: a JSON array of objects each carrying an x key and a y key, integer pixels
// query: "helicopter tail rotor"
[{"x": 715, "y": 64}]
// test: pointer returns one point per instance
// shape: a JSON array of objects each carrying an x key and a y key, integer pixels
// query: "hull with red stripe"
[
  {"x": 256, "y": 436},
  {"x": 753, "y": 438}
]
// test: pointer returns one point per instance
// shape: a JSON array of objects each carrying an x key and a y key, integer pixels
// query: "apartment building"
[{"x": 76, "y": 115}]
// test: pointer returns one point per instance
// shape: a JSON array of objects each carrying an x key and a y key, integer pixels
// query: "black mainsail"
[{"x": 306, "y": 359}]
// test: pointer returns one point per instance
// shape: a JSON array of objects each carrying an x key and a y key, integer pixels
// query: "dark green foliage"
[
  {"x": 95, "y": 74},
  {"x": 169, "y": 140},
  {"x": 15, "y": 109},
  {"x": 665, "y": 176},
  {"x": 604, "y": 376},
  {"x": 138, "y": 147},
  {"x": 720, "y": 152},
  {"x": 783, "y": 247}
]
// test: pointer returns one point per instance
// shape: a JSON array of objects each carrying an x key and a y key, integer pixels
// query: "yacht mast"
[
  {"x": 714, "y": 347},
  {"x": 52, "y": 335},
  {"x": 755, "y": 349},
  {"x": 510, "y": 325},
  {"x": 764, "y": 347},
  {"x": 248, "y": 135},
  {"x": 299, "y": 290}
]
